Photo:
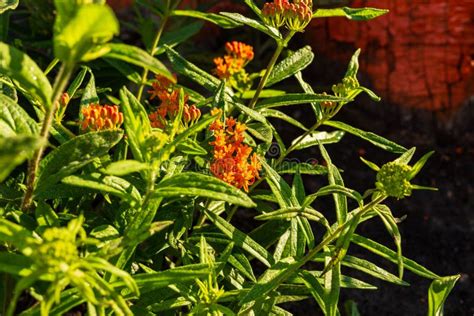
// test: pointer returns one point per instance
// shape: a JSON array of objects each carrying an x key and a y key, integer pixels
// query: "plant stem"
[
  {"x": 264, "y": 79},
  {"x": 299, "y": 140},
  {"x": 332, "y": 236},
  {"x": 153, "y": 49},
  {"x": 60, "y": 84}
]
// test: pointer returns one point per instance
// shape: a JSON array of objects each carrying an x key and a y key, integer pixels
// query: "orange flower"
[
  {"x": 163, "y": 90},
  {"x": 239, "y": 50},
  {"x": 233, "y": 161},
  {"x": 238, "y": 55},
  {"x": 97, "y": 117}
]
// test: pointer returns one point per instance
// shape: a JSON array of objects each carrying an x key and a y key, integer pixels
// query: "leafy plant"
[{"x": 130, "y": 208}]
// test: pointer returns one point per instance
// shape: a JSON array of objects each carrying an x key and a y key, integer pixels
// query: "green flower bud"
[
  {"x": 57, "y": 251},
  {"x": 393, "y": 179}
]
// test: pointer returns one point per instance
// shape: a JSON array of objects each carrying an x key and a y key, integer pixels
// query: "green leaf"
[
  {"x": 291, "y": 212},
  {"x": 195, "y": 128},
  {"x": 73, "y": 155},
  {"x": 222, "y": 21},
  {"x": 124, "y": 167},
  {"x": 308, "y": 89},
  {"x": 77, "y": 82},
  {"x": 197, "y": 184},
  {"x": 191, "y": 147},
  {"x": 14, "y": 120},
  {"x": 303, "y": 168},
  {"x": 17, "y": 235},
  {"x": 239, "y": 18},
  {"x": 78, "y": 33},
  {"x": 297, "y": 98},
  {"x": 15, "y": 264},
  {"x": 368, "y": 136},
  {"x": 173, "y": 38},
  {"x": 89, "y": 96},
  {"x": 8, "y": 5},
  {"x": 185, "y": 68},
  {"x": 261, "y": 131},
  {"x": 282, "y": 116},
  {"x": 26, "y": 74},
  {"x": 136, "y": 123},
  {"x": 270, "y": 279},
  {"x": 315, "y": 288},
  {"x": 334, "y": 178},
  {"x": 138, "y": 57},
  {"x": 419, "y": 164},
  {"x": 356, "y": 14},
  {"x": 438, "y": 293},
  {"x": 107, "y": 184},
  {"x": 268, "y": 93},
  {"x": 14, "y": 150},
  {"x": 392, "y": 256},
  {"x": 317, "y": 138},
  {"x": 406, "y": 157},
  {"x": 45, "y": 215},
  {"x": 334, "y": 189},
  {"x": 291, "y": 65},
  {"x": 332, "y": 285},
  {"x": 391, "y": 225},
  {"x": 279, "y": 187},
  {"x": 240, "y": 239},
  {"x": 368, "y": 268}
]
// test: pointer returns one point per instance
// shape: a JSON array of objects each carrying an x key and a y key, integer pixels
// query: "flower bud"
[{"x": 393, "y": 179}]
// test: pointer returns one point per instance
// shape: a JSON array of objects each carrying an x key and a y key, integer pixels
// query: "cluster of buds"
[
  {"x": 231, "y": 66},
  {"x": 345, "y": 88},
  {"x": 393, "y": 179},
  {"x": 233, "y": 161},
  {"x": 58, "y": 250},
  {"x": 296, "y": 15},
  {"x": 164, "y": 90},
  {"x": 97, "y": 117}
]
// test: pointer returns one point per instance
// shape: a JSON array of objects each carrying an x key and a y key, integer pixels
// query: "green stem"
[
  {"x": 298, "y": 141},
  {"x": 60, "y": 84},
  {"x": 357, "y": 213},
  {"x": 264, "y": 79},
  {"x": 153, "y": 51}
]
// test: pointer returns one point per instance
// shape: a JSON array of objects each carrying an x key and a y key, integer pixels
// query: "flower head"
[
  {"x": 101, "y": 117},
  {"x": 295, "y": 15},
  {"x": 393, "y": 179},
  {"x": 233, "y": 161},
  {"x": 231, "y": 66},
  {"x": 168, "y": 95}
]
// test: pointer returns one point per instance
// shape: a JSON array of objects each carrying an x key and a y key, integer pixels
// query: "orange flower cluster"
[
  {"x": 97, "y": 117},
  {"x": 295, "y": 15},
  {"x": 233, "y": 161},
  {"x": 162, "y": 89},
  {"x": 238, "y": 55}
]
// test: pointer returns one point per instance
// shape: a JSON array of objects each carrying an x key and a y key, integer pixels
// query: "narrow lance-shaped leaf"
[
  {"x": 317, "y": 138},
  {"x": 241, "y": 239},
  {"x": 297, "y": 98},
  {"x": 239, "y": 18},
  {"x": 291, "y": 65},
  {"x": 392, "y": 256},
  {"x": 136, "y": 56},
  {"x": 217, "y": 19},
  {"x": 197, "y": 184},
  {"x": 376, "y": 140},
  {"x": 356, "y": 14}
]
